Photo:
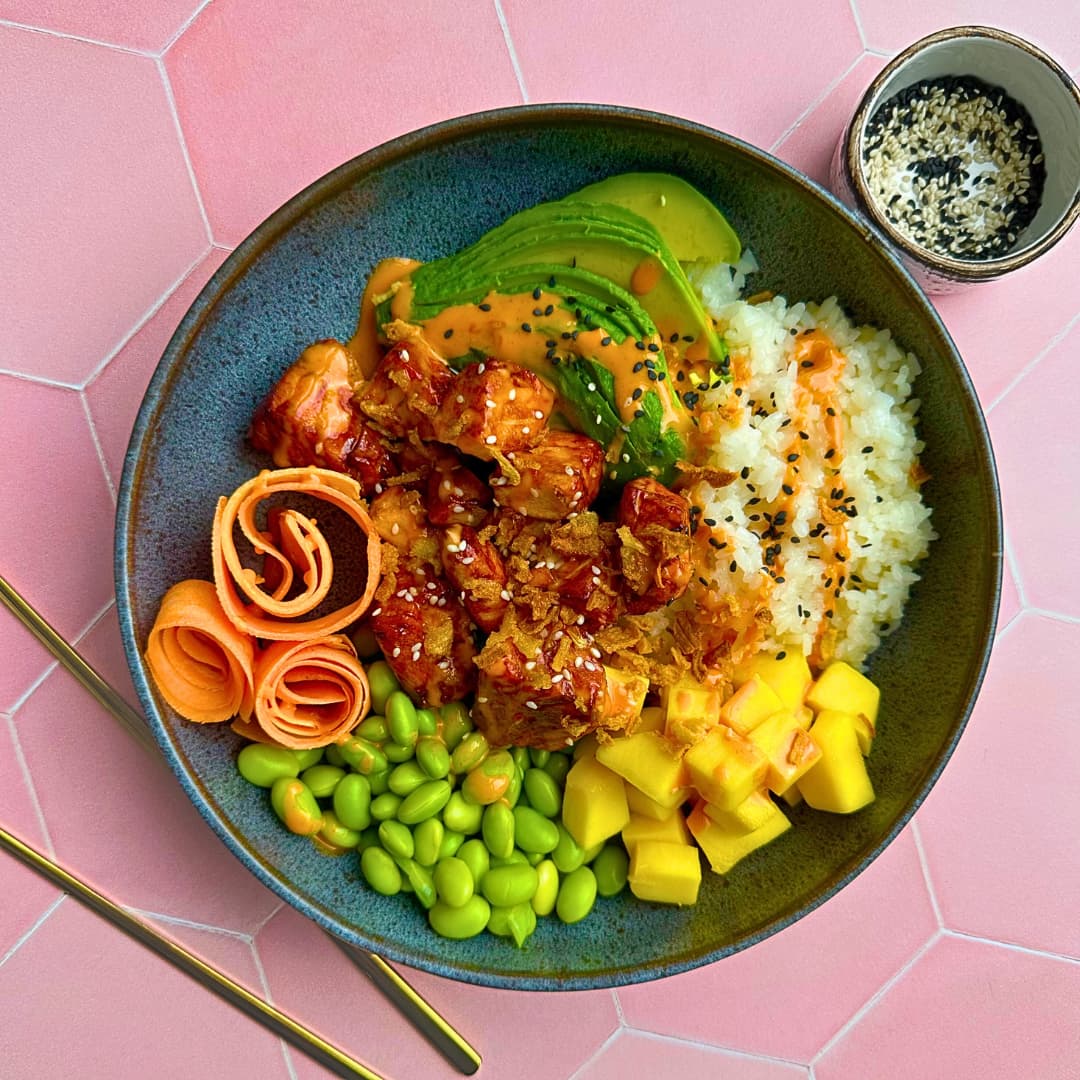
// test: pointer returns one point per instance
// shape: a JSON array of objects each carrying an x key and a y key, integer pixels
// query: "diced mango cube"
[
  {"x": 651, "y": 719},
  {"x": 724, "y": 847},
  {"x": 641, "y": 804},
  {"x": 842, "y": 688},
  {"x": 756, "y": 809},
  {"x": 790, "y": 750},
  {"x": 585, "y": 747},
  {"x": 647, "y": 761},
  {"x": 864, "y": 730},
  {"x": 624, "y": 696},
  {"x": 690, "y": 709},
  {"x": 594, "y": 802},
  {"x": 671, "y": 831},
  {"x": 786, "y": 673},
  {"x": 666, "y": 873},
  {"x": 793, "y": 796},
  {"x": 749, "y": 705},
  {"x": 725, "y": 767},
  {"x": 838, "y": 782}
]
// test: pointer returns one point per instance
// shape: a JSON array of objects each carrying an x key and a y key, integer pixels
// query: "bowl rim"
[
  {"x": 525, "y": 117},
  {"x": 958, "y": 269}
]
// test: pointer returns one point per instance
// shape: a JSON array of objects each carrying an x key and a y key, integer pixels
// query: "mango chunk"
[
  {"x": 643, "y": 806},
  {"x": 840, "y": 687},
  {"x": 838, "y": 782},
  {"x": 690, "y": 709},
  {"x": 790, "y": 750},
  {"x": 749, "y": 705},
  {"x": 651, "y": 719},
  {"x": 786, "y": 673},
  {"x": 585, "y": 747},
  {"x": 624, "y": 696},
  {"x": 647, "y": 761},
  {"x": 594, "y": 802},
  {"x": 671, "y": 831},
  {"x": 666, "y": 873},
  {"x": 725, "y": 768},
  {"x": 753, "y": 812},
  {"x": 724, "y": 847}
]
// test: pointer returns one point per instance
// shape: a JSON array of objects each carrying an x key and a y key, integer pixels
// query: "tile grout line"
[
  {"x": 171, "y": 98},
  {"x": 747, "y": 1055},
  {"x": 262, "y": 925},
  {"x": 596, "y": 1054},
  {"x": 868, "y": 1005},
  {"x": 618, "y": 1008},
  {"x": 97, "y": 446},
  {"x": 1057, "y": 616},
  {"x": 38, "y": 924},
  {"x": 190, "y": 924},
  {"x": 858, "y": 24},
  {"x": 28, "y": 780},
  {"x": 916, "y": 835},
  {"x": 1014, "y": 569},
  {"x": 815, "y": 104},
  {"x": 1033, "y": 363},
  {"x": 511, "y": 50},
  {"x": 269, "y": 998},
  {"x": 41, "y": 380},
  {"x": 129, "y": 49},
  {"x": 1044, "y": 954},
  {"x": 170, "y": 42}
]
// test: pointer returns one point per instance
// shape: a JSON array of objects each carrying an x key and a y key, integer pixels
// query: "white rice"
[{"x": 891, "y": 531}]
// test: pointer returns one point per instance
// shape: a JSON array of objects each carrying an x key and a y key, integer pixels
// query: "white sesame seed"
[
  {"x": 538, "y": 414},
  {"x": 481, "y": 368},
  {"x": 598, "y": 418},
  {"x": 397, "y": 652},
  {"x": 457, "y": 508},
  {"x": 460, "y": 399},
  {"x": 512, "y": 395},
  {"x": 489, "y": 403},
  {"x": 378, "y": 489},
  {"x": 504, "y": 595},
  {"x": 376, "y": 612},
  {"x": 556, "y": 679},
  {"x": 530, "y": 664},
  {"x": 490, "y": 440},
  {"x": 592, "y": 388},
  {"x": 524, "y": 431},
  {"x": 569, "y": 471},
  {"x": 468, "y": 560},
  {"x": 531, "y": 705},
  {"x": 395, "y": 529}
]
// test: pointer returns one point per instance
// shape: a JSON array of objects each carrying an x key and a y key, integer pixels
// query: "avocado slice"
[{"x": 692, "y": 227}]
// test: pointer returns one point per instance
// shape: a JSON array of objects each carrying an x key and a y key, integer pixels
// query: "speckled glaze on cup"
[
  {"x": 1030, "y": 77},
  {"x": 298, "y": 277}
]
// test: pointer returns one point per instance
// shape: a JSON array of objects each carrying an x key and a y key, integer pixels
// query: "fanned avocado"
[{"x": 588, "y": 295}]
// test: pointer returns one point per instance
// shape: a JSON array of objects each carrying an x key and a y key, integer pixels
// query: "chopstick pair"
[{"x": 413, "y": 1007}]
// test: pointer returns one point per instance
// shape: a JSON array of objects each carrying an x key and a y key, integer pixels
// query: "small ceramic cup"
[{"x": 1028, "y": 76}]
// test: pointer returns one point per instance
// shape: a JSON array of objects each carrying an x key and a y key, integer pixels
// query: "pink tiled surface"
[{"x": 140, "y": 144}]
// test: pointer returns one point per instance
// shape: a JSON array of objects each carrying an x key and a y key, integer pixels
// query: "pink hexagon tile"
[
  {"x": 529, "y": 1036},
  {"x": 1040, "y": 479},
  {"x": 634, "y": 1053},
  {"x": 60, "y": 491},
  {"x": 268, "y": 105},
  {"x": 145, "y": 26},
  {"x": 118, "y": 1006},
  {"x": 890, "y": 27},
  {"x": 968, "y": 1010},
  {"x": 118, "y": 816},
  {"x": 836, "y": 958},
  {"x": 1001, "y": 823},
  {"x": 108, "y": 218},
  {"x": 115, "y": 394},
  {"x": 697, "y": 64}
]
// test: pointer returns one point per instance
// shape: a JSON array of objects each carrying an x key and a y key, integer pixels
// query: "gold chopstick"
[
  {"x": 216, "y": 981},
  {"x": 438, "y": 1031}
]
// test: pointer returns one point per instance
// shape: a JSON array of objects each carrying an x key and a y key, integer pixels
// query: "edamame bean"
[
  {"x": 382, "y": 682},
  {"x": 521, "y": 756},
  {"x": 322, "y": 779},
  {"x": 368, "y": 838},
  {"x": 610, "y": 868},
  {"x": 352, "y": 801},
  {"x": 451, "y": 842},
  {"x": 379, "y": 781},
  {"x": 516, "y": 922},
  {"x": 333, "y": 756},
  {"x": 476, "y": 857},
  {"x": 469, "y": 752},
  {"x": 577, "y": 894},
  {"x": 456, "y": 723},
  {"x": 497, "y": 829},
  {"x": 543, "y": 792},
  {"x": 380, "y": 871},
  {"x": 419, "y": 877},
  {"x": 517, "y": 857},
  {"x": 374, "y": 729},
  {"x": 397, "y": 839},
  {"x": 454, "y": 882},
  {"x": 427, "y": 841},
  {"x": 558, "y": 765},
  {"x": 401, "y": 718},
  {"x": 384, "y": 807},
  {"x": 406, "y": 778},
  {"x": 505, "y": 886},
  {"x": 311, "y": 756},
  {"x": 590, "y": 853},
  {"x": 459, "y": 923},
  {"x": 427, "y": 723},
  {"x": 363, "y": 756},
  {"x": 539, "y": 758},
  {"x": 426, "y": 801},
  {"x": 534, "y": 858},
  {"x": 433, "y": 757},
  {"x": 513, "y": 792},
  {"x": 296, "y": 806},
  {"x": 533, "y": 832},
  {"x": 490, "y": 780},
  {"x": 461, "y": 816},
  {"x": 365, "y": 644},
  {"x": 567, "y": 853},
  {"x": 261, "y": 764},
  {"x": 396, "y": 753},
  {"x": 337, "y": 835},
  {"x": 547, "y": 888}
]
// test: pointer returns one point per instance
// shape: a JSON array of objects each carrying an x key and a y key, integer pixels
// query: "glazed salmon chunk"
[{"x": 559, "y": 476}]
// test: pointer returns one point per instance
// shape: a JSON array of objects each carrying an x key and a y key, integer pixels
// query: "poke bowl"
[{"x": 803, "y": 282}]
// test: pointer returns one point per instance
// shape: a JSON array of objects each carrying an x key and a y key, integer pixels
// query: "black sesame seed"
[
  {"x": 793, "y": 457},
  {"x": 637, "y": 393},
  {"x": 536, "y": 292},
  {"x": 638, "y": 366},
  {"x": 733, "y": 566},
  {"x": 640, "y": 345},
  {"x": 867, "y": 449},
  {"x": 485, "y": 307},
  {"x": 639, "y": 413},
  {"x": 605, "y": 341},
  {"x": 448, "y": 334}
]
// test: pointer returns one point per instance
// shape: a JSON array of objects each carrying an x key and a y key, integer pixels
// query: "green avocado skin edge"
[{"x": 585, "y": 254}]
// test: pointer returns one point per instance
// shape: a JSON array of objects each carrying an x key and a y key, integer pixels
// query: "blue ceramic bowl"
[{"x": 298, "y": 278}]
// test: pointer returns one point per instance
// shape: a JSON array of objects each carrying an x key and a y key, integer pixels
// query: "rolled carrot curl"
[
  {"x": 202, "y": 664},
  {"x": 298, "y": 567},
  {"x": 308, "y": 693}
]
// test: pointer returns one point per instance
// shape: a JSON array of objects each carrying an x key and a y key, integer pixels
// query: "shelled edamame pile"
[{"x": 432, "y": 809}]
